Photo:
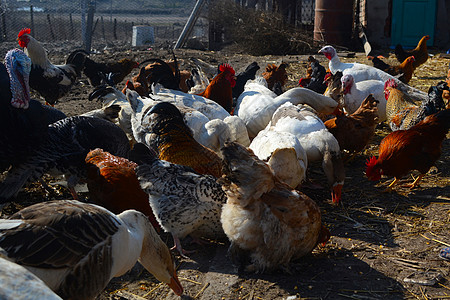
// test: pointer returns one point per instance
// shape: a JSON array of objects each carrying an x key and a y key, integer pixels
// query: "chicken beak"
[
  {"x": 175, "y": 285},
  {"x": 336, "y": 193}
]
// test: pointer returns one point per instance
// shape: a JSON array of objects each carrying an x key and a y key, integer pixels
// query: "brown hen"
[
  {"x": 113, "y": 184},
  {"x": 274, "y": 74},
  {"x": 174, "y": 142},
  {"x": 405, "y": 68},
  {"x": 267, "y": 222},
  {"x": 353, "y": 132},
  {"x": 420, "y": 53}
]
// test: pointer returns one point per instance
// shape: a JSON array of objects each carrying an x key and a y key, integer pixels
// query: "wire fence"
[{"x": 113, "y": 20}]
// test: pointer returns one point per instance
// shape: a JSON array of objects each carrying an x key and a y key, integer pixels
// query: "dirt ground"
[{"x": 383, "y": 245}]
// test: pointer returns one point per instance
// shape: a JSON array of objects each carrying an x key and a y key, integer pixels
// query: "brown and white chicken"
[{"x": 266, "y": 221}]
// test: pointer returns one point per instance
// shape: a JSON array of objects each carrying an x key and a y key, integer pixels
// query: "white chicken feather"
[
  {"x": 363, "y": 72},
  {"x": 283, "y": 153},
  {"x": 355, "y": 93},
  {"x": 256, "y": 105},
  {"x": 318, "y": 142}
]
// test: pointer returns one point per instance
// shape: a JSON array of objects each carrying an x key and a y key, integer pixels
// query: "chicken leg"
[
  {"x": 389, "y": 187},
  {"x": 177, "y": 245},
  {"x": 416, "y": 182}
]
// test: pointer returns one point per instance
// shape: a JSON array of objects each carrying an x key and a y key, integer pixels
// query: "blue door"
[{"x": 411, "y": 20}]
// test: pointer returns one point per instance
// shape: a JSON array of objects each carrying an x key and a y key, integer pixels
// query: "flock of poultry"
[{"x": 180, "y": 152}]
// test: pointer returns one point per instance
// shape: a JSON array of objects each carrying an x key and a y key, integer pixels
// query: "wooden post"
[
  {"x": 189, "y": 24},
  {"x": 95, "y": 26},
  {"x": 50, "y": 25},
  {"x": 298, "y": 14},
  {"x": 72, "y": 29},
  {"x": 31, "y": 18},
  {"x": 115, "y": 29},
  {"x": 103, "y": 28},
  {"x": 89, "y": 23},
  {"x": 4, "y": 31}
]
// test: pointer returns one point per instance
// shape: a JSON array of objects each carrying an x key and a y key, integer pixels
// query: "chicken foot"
[
  {"x": 416, "y": 181},
  {"x": 177, "y": 245},
  {"x": 389, "y": 187}
]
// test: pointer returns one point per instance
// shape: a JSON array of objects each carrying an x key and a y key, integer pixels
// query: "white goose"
[
  {"x": 77, "y": 248},
  {"x": 256, "y": 105},
  {"x": 318, "y": 142},
  {"x": 17, "y": 283}
]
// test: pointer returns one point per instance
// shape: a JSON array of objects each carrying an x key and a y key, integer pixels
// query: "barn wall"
[
  {"x": 442, "y": 35},
  {"x": 377, "y": 14},
  {"x": 379, "y": 36}
]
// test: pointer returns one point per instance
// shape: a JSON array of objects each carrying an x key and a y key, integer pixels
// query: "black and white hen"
[
  {"x": 184, "y": 202},
  {"x": 64, "y": 150}
]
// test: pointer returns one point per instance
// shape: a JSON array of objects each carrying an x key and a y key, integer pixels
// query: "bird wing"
[
  {"x": 57, "y": 234},
  {"x": 181, "y": 199}
]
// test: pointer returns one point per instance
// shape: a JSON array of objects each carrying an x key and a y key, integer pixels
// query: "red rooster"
[
  {"x": 417, "y": 148},
  {"x": 112, "y": 183},
  {"x": 220, "y": 89}
]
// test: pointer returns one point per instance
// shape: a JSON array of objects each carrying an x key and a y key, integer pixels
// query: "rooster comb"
[
  {"x": 370, "y": 164},
  {"x": 390, "y": 83},
  {"x": 371, "y": 161},
  {"x": 226, "y": 67},
  {"x": 24, "y": 31}
]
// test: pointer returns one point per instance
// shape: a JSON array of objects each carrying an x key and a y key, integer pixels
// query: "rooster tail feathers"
[
  {"x": 141, "y": 154},
  {"x": 77, "y": 59},
  {"x": 177, "y": 70}
]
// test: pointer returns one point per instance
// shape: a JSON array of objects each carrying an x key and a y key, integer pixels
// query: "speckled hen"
[{"x": 184, "y": 202}]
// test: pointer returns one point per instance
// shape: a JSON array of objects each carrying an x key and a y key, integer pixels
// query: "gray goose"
[{"x": 77, "y": 248}]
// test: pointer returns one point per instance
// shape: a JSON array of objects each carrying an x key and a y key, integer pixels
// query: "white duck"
[
  {"x": 17, "y": 283},
  {"x": 318, "y": 142},
  {"x": 256, "y": 105},
  {"x": 355, "y": 93},
  {"x": 209, "y": 108},
  {"x": 210, "y": 133},
  {"x": 363, "y": 72},
  {"x": 109, "y": 96},
  {"x": 77, "y": 248},
  {"x": 283, "y": 153}
]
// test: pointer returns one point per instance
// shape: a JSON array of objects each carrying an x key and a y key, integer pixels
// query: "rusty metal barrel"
[{"x": 333, "y": 21}]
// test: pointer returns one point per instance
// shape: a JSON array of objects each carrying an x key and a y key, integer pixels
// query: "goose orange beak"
[
  {"x": 336, "y": 193},
  {"x": 175, "y": 285}
]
